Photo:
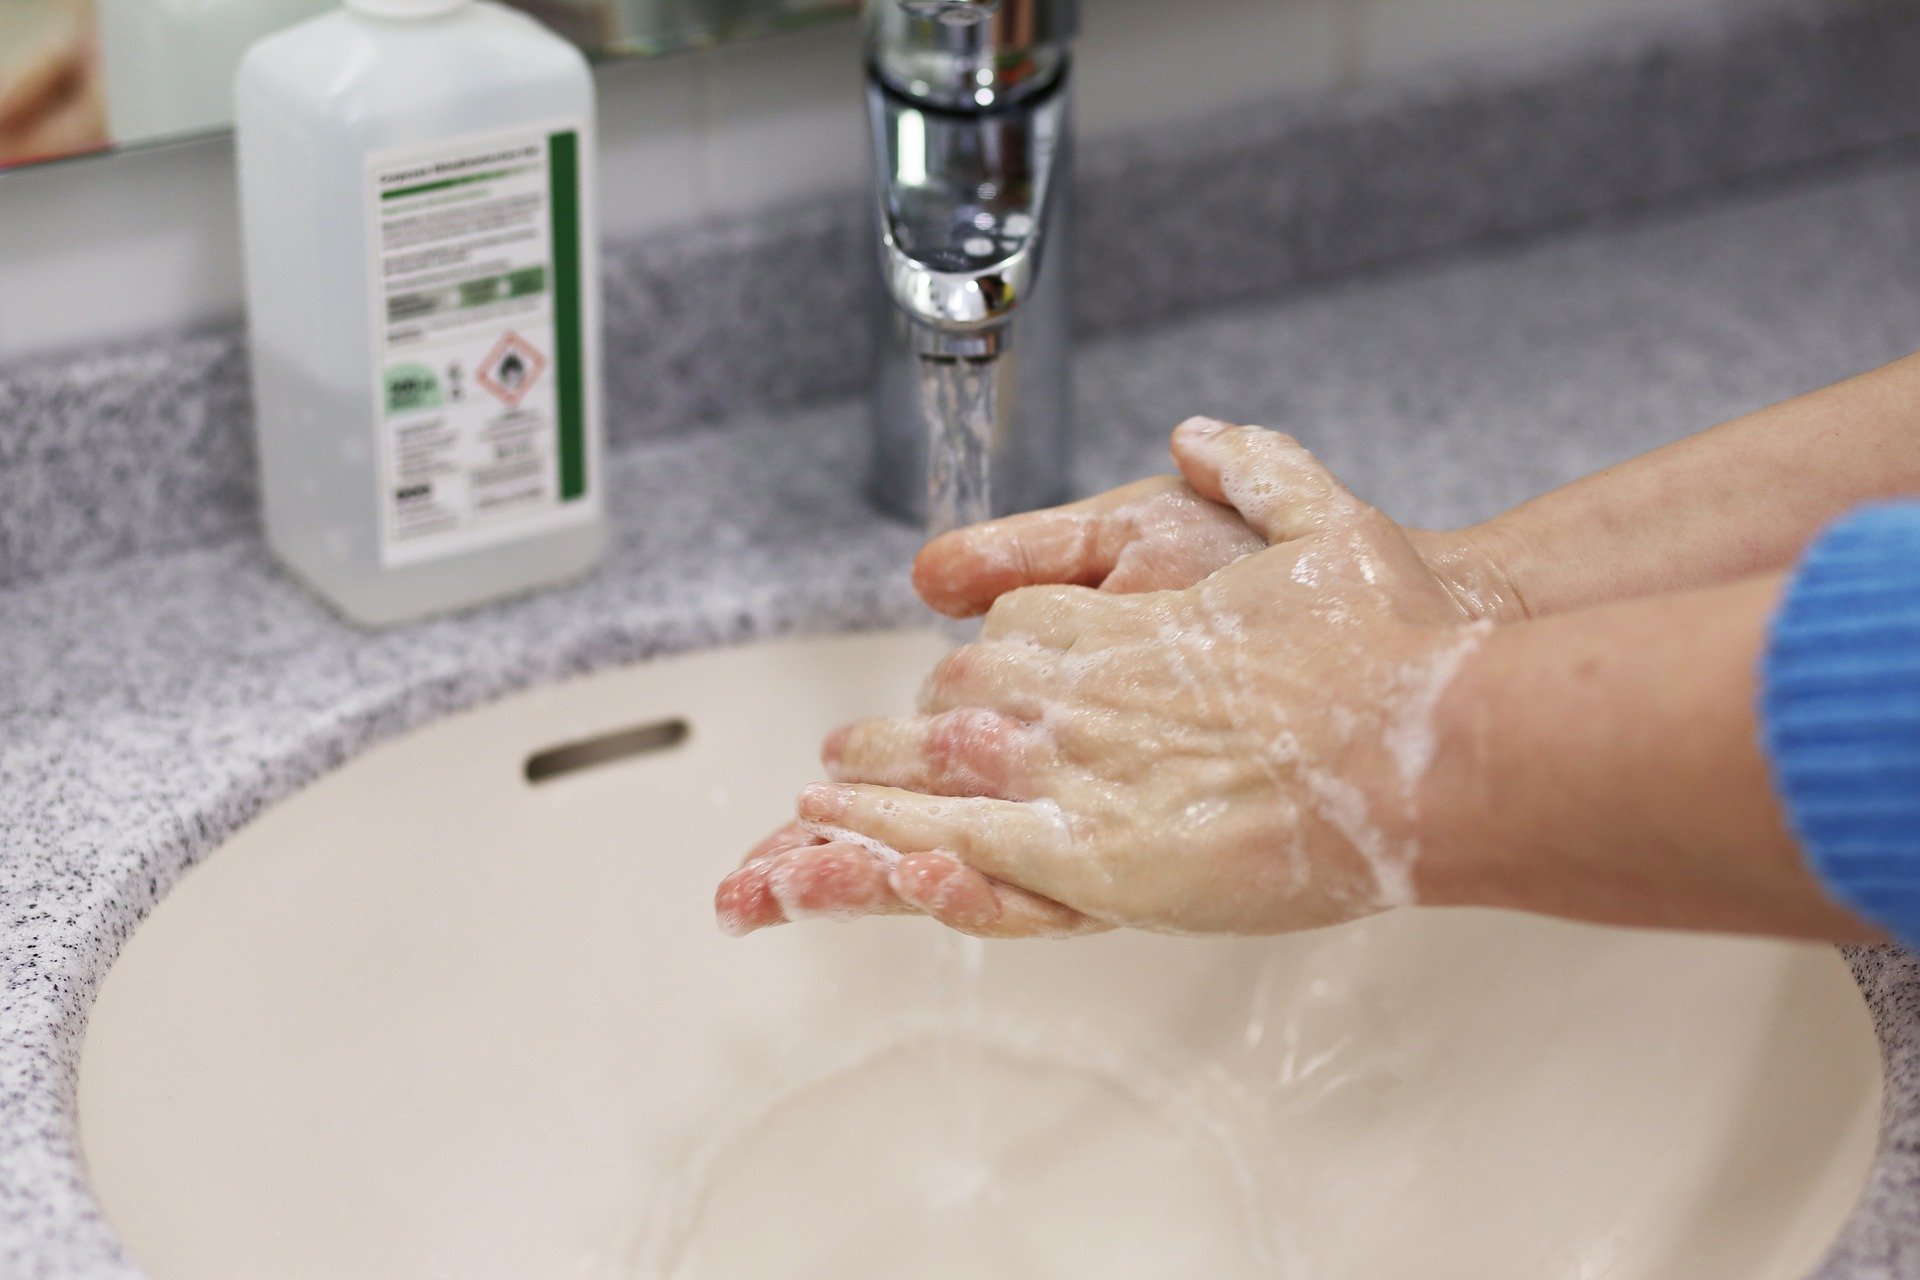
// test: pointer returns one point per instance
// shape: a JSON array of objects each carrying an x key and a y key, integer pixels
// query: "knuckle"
[
  {"x": 961, "y": 733},
  {"x": 834, "y": 879},
  {"x": 1026, "y": 560},
  {"x": 980, "y": 712},
  {"x": 954, "y": 670},
  {"x": 971, "y": 748},
  {"x": 970, "y": 909},
  {"x": 943, "y": 888},
  {"x": 1008, "y": 608}
]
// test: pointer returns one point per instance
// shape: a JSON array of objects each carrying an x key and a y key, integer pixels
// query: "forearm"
[
  {"x": 1739, "y": 500},
  {"x": 1605, "y": 765}
]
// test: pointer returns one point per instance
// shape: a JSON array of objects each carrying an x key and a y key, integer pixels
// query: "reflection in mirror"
[
  {"x": 52, "y": 94},
  {"x": 168, "y": 64},
  {"x": 78, "y": 76}
]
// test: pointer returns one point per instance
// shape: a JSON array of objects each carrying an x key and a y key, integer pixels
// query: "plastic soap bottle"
[{"x": 416, "y": 185}]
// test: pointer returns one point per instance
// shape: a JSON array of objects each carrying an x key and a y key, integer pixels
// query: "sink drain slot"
[{"x": 607, "y": 748}]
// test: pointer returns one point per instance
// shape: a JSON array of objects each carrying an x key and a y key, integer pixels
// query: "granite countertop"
[{"x": 151, "y": 706}]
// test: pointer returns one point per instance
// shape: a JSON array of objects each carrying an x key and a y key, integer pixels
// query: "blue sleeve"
[{"x": 1840, "y": 711}]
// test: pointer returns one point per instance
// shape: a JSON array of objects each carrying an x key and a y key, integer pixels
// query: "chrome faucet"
[{"x": 968, "y": 101}]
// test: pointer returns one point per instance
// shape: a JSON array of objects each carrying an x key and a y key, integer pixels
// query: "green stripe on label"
[
  {"x": 563, "y": 155},
  {"x": 444, "y": 183}
]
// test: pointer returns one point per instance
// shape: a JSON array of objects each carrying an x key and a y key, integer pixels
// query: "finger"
[
  {"x": 1012, "y": 678},
  {"x": 969, "y": 751},
  {"x": 1208, "y": 545},
  {"x": 791, "y": 836},
  {"x": 963, "y": 572},
  {"x": 964, "y": 899},
  {"x": 1270, "y": 479},
  {"x": 1021, "y": 844},
  {"x": 744, "y": 901},
  {"x": 1051, "y": 616},
  {"x": 821, "y": 881},
  {"x": 833, "y": 881}
]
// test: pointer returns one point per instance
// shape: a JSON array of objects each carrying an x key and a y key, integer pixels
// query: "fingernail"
[
  {"x": 734, "y": 903},
  {"x": 824, "y": 800},
  {"x": 1201, "y": 428},
  {"x": 734, "y": 926}
]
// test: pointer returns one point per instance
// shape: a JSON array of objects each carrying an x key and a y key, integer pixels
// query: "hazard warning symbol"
[{"x": 511, "y": 369}]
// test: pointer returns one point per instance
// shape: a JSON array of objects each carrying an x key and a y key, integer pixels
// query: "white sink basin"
[{"x": 430, "y": 1019}]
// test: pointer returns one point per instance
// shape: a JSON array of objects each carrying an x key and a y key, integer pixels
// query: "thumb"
[{"x": 1278, "y": 488}]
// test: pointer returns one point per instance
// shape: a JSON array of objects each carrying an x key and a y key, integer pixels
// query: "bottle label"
[{"x": 479, "y": 333}]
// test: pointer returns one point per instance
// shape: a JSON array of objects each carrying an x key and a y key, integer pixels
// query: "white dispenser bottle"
[{"x": 423, "y": 303}]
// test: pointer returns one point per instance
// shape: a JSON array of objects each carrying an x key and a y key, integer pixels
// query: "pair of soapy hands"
[{"x": 1198, "y": 705}]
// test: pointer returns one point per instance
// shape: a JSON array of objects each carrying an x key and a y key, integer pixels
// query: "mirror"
[{"x": 83, "y": 76}]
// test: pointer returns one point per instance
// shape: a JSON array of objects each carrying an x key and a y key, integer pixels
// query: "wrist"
[
  {"x": 1476, "y": 564},
  {"x": 1456, "y": 804},
  {"x": 1604, "y": 766}
]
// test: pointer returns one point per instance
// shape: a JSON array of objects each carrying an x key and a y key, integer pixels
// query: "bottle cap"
[{"x": 405, "y": 8}]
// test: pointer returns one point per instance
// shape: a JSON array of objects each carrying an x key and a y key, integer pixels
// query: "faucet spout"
[
  {"x": 965, "y": 212},
  {"x": 969, "y": 106}
]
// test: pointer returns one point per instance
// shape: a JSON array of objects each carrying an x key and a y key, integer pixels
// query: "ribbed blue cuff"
[{"x": 1840, "y": 712}]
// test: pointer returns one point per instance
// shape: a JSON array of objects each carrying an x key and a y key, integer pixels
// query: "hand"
[
  {"x": 979, "y": 751},
  {"x": 1150, "y": 535}
]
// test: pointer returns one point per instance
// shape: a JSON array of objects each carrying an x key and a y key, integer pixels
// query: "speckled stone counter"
[{"x": 150, "y": 706}]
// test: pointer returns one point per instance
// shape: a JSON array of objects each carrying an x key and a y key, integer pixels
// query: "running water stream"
[
  {"x": 961, "y": 404},
  {"x": 961, "y": 407}
]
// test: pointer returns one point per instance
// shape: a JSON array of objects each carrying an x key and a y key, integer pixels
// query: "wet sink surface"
[{"x": 430, "y": 1018}]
